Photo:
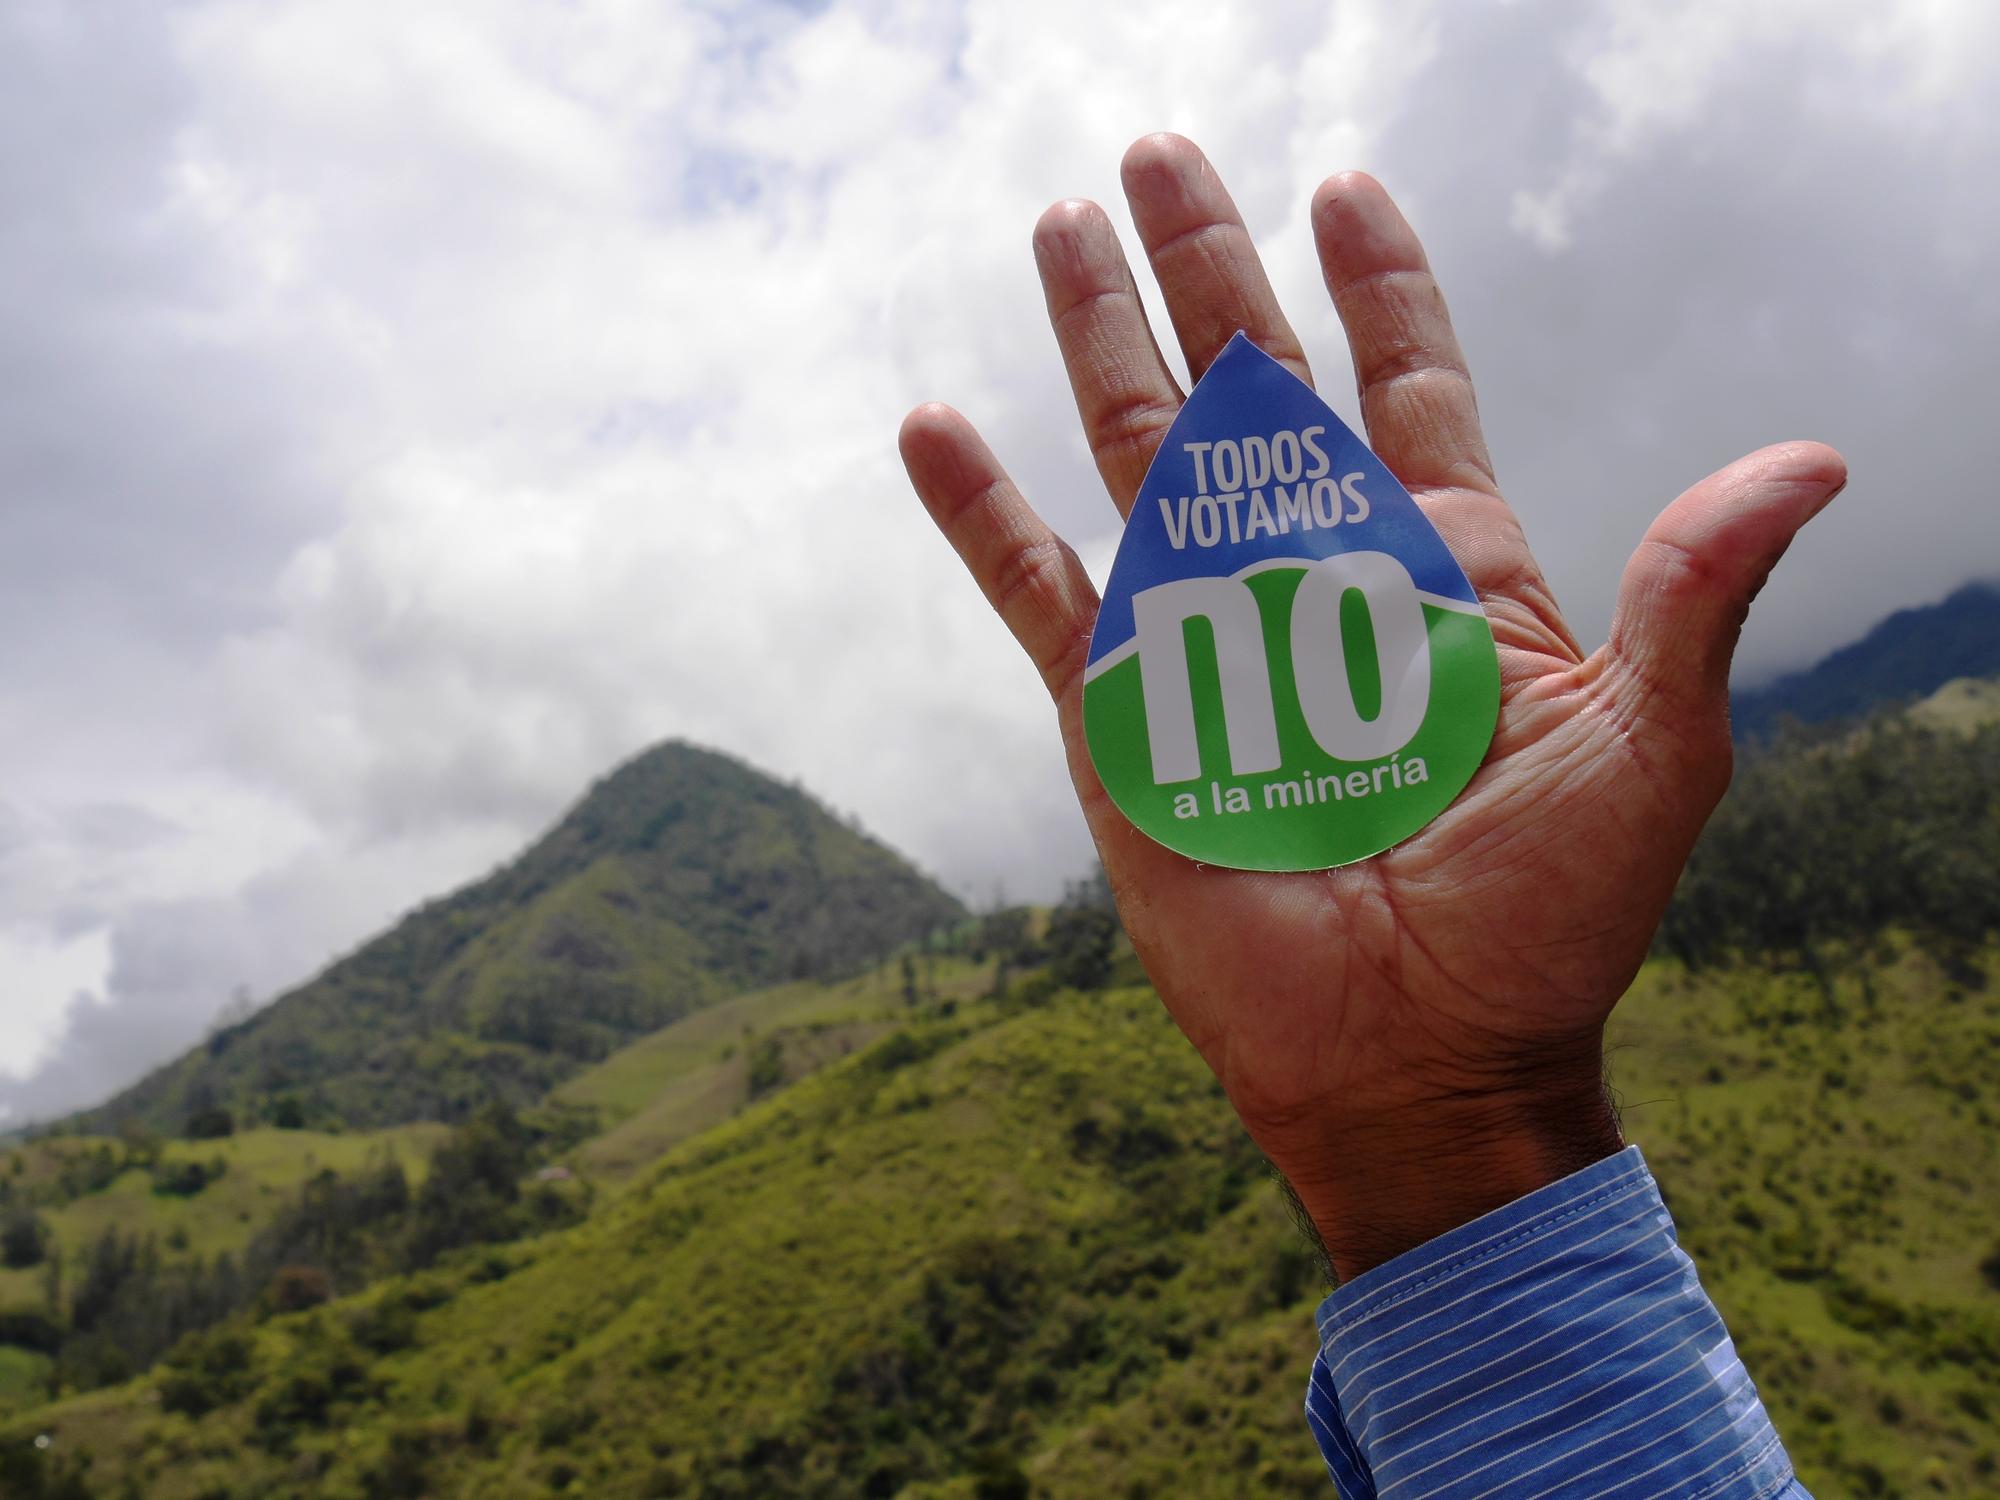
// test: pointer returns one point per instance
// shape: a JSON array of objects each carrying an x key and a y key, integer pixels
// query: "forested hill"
[
  {"x": 682, "y": 876},
  {"x": 1912, "y": 653},
  {"x": 1020, "y": 1245}
]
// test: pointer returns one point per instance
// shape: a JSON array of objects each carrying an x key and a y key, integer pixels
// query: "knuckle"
[
  {"x": 1025, "y": 574},
  {"x": 1679, "y": 572},
  {"x": 1136, "y": 421},
  {"x": 1062, "y": 674}
]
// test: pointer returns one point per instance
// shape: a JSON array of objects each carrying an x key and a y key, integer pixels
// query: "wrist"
[{"x": 1400, "y": 1178}]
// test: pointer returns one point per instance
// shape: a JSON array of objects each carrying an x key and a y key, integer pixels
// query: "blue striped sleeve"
[{"x": 1561, "y": 1346}]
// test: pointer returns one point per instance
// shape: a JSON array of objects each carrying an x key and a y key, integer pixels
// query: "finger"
[
  {"x": 1202, "y": 256},
  {"x": 1418, "y": 407},
  {"x": 1042, "y": 594},
  {"x": 1686, "y": 591},
  {"x": 1027, "y": 572},
  {"x": 1416, "y": 393},
  {"x": 1124, "y": 392}
]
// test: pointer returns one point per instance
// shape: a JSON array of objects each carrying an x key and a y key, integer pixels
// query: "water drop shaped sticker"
[{"x": 1290, "y": 670}]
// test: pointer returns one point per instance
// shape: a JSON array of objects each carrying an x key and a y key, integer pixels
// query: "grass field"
[
  {"x": 696, "y": 1073},
  {"x": 263, "y": 1168},
  {"x": 1964, "y": 704},
  {"x": 22, "y": 1375}
]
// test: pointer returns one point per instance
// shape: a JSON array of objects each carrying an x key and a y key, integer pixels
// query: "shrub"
[
  {"x": 296, "y": 1288},
  {"x": 384, "y": 1326},
  {"x": 1990, "y": 1268},
  {"x": 307, "y": 1395},
  {"x": 27, "y": 1473},
  {"x": 30, "y": 1328},
  {"x": 205, "y": 1371},
  {"x": 24, "y": 1239},
  {"x": 183, "y": 1179},
  {"x": 1080, "y": 942},
  {"x": 997, "y": 1477},
  {"x": 767, "y": 1066},
  {"x": 403, "y": 1471},
  {"x": 210, "y": 1124}
]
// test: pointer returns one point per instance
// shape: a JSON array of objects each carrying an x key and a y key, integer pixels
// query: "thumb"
[{"x": 1688, "y": 588}]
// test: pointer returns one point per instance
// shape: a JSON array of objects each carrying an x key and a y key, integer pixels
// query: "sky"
[{"x": 412, "y": 411}]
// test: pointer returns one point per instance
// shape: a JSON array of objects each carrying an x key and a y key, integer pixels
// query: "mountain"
[
  {"x": 681, "y": 877},
  {"x": 1908, "y": 655},
  {"x": 947, "y": 1229}
]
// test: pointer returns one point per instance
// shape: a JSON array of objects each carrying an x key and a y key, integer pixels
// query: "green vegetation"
[
  {"x": 1025, "y": 1238},
  {"x": 82, "y": 1188},
  {"x": 1830, "y": 842},
  {"x": 969, "y": 1221},
  {"x": 1962, "y": 705},
  {"x": 697, "y": 1072},
  {"x": 24, "y": 1239},
  {"x": 123, "y": 1299}
]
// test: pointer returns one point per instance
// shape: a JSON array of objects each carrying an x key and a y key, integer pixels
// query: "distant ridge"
[
  {"x": 1909, "y": 655},
  {"x": 682, "y": 876}
]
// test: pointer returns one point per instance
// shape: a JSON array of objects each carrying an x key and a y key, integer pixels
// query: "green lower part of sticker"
[{"x": 1312, "y": 811}]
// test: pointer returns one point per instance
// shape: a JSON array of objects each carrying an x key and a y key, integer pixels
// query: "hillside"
[
  {"x": 1892, "y": 825},
  {"x": 84, "y": 1187},
  {"x": 681, "y": 877},
  {"x": 1019, "y": 1247},
  {"x": 948, "y": 1227},
  {"x": 1909, "y": 655},
  {"x": 1964, "y": 704}
]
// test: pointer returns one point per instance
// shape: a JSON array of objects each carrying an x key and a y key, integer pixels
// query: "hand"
[{"x": 1418, "y": 1038}]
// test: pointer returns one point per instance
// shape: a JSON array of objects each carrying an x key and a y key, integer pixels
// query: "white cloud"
[
  {"x": 426, "y": 408},
  {"x": 42, "y": 976}
]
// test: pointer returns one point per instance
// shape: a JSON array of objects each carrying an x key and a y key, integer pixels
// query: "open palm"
[{"x": 1418, "y": 1037}]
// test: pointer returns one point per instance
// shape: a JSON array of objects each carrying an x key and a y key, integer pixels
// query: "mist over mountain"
[{"x": 1908, "y": 655}]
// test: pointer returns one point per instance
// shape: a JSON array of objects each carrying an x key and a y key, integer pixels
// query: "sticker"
[{"x": 1290, "y": 670}]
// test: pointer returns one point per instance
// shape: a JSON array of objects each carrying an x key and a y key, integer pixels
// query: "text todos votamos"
[{"x": 1230, "y": 479}]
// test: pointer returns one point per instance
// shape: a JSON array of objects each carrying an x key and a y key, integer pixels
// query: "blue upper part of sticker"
[{"x": 1247, "y": 394}]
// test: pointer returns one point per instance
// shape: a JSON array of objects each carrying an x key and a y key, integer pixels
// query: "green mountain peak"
[{"x": 681, "y": 876}]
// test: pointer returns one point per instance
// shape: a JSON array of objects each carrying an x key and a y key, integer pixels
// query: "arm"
[{"x": 1415, "y": 1040}]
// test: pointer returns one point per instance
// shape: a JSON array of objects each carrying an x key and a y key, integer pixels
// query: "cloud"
[{"x": 419, "y": 411}]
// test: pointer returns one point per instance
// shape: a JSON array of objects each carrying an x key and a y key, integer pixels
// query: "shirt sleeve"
[{"x": 1561, "y": 1346}]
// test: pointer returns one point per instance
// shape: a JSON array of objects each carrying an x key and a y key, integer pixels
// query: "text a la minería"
[{"x": 1309, "y": 789}]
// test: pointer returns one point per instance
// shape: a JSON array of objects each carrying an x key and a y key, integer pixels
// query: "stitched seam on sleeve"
[
  {"x": 1744, "y": 1468},
  {"x": 1391, "y": 1297}
]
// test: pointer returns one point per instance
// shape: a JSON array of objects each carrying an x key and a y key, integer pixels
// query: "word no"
[{"x": 1319, "y": 665}]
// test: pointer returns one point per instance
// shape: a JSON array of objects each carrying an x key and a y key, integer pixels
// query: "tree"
[
  {"x": 207, "y": 1117},
  {"x": 474, "y": 1183},
  {"x": 1082, "y": 932},
  {"x": 1004, "y": 931},
  {"x": 295, "y": 1288},
  {"x": 24, "y": 1239},
  {"x": 767, "y": 1066}
]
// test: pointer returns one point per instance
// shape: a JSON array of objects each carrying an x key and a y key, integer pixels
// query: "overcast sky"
[{"x": 407, "y": 412}]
